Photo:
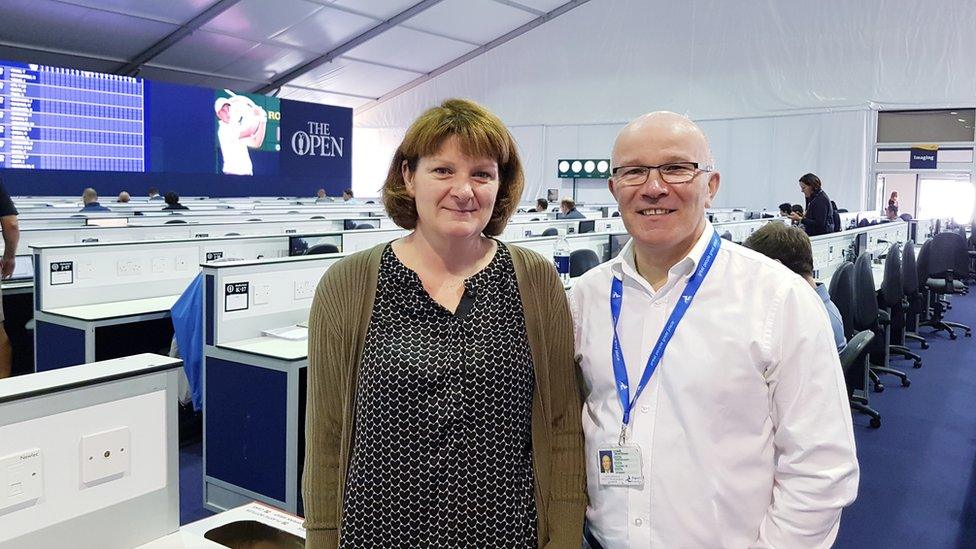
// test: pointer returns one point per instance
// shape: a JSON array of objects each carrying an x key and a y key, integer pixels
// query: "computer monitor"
[
  {"x": 23, "y": 267},
  {"x": 587, "y": 226},
  {"x": 297, "y": 245},
  {"x": 617, "y": 242}
]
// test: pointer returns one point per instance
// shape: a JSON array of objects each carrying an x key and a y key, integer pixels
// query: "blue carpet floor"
[{"x": 918, "y": 471}]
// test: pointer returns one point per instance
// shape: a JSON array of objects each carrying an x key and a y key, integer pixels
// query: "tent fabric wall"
[{"x": 793, "y": 81}]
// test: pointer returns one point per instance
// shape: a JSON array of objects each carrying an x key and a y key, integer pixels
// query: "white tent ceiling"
[{"x": 341, "y": 52}]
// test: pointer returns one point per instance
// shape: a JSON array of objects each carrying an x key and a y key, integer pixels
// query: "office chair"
[
  {"x": 581, "y": 261},
  {"x": 171, "y": 221},
  {"x": 906, "y": 217},
  {"x": 943, "y": 262},
  {"x": 293, "y": 211},
  {"x": 322, "y": 249},
  {"x": 913, "y": 294},
  {"x": 317, "y": 217},
  {"x": 852, "y": 360},
  {"x": 233, "y": 234},
  {"x": 364, "y": 226},
  {"x": 535, "y": 219},
  {"x": 727, "y": 236},
  {"x": 254, "y": 219},
  {"x": 867, "y": 316},
  {"x": 841, "y": 290},
  {"x": 551, "y": 231},
  {"x": 892, "y": 297},
  {"x": 863, "y": 223}
]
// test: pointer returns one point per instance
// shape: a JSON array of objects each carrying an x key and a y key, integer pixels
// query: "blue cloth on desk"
[{"x": 187, "y": 315}]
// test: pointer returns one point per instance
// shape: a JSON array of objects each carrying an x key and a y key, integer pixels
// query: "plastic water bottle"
[{"x": 560, "y": 257}]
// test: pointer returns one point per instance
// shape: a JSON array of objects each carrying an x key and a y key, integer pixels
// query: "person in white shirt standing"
[{"x": 710, "y": 372}]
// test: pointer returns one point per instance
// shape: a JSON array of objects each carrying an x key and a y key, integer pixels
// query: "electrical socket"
[
  {"x": 262, "y": 294},
  {"x": 105, "y": 455},
  {"x": 304, "y": 289},
  {"x": 86, "y": 269},
  {"x": 160, "y": 264},
  {"x": 181, "y": 263}
]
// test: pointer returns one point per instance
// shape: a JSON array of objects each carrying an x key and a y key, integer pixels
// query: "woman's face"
[
  {"x": 806, "y": 189},
  {"x": 454, "y": 193}
]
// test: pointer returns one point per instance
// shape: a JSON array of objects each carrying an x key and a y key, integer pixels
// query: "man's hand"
[
  {"x": 796, "y": 217},
  {"x": 7, "y": 267}
]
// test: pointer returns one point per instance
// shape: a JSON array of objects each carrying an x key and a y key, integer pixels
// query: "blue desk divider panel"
[
  {"x": 58, "y": 346},
  {"x": 245, "y": 411}
]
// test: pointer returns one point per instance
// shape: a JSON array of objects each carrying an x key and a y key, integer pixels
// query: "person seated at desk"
[
  {"x": 321, "y": 197},
  {"x": 791, "y": 247},
  {"x": 154, "y": 194},
  {"x": 784, "y": 209},
  {"x": 173, "y": 202},
  {"x": 567, "y": 210},
  {"x": 541, "y": 205},
  {"x": 90, "y": 199},
  {"x": 348, "y": 198},
  {"x": 123, "y": 198}
]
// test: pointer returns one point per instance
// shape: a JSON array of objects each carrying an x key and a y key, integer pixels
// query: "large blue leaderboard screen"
[{"x": 65, "y": 119}]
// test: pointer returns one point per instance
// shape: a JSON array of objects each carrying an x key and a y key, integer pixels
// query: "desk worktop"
[
  {"x": 115, "y": 309},
  {"x": 274, "y": 347}
]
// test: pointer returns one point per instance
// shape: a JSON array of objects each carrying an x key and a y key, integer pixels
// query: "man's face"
[
  {"x": 564, "y": 208},
  {"x": 658, "y": 214}
]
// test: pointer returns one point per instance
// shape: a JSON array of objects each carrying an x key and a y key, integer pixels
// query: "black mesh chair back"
[
  {"x": 348, "y": 225},
  {"x": 364, "y": 226},
  {"x": 922, "y": 263},
  {"x": 863, "y": 223},
  {"x": 551, "y": 231},
  {"x": 233, "y": 234},
  {"x": 322, "y": 249},
  {"x": 317, "y": 217},
  {"x": 947, "y": 252},
  {"x": 534, "y": 219},
  {"x": 171, "y": 221},
  {"x": 909, "y": 274},
  {"x": 906, "y": 217},
  {"x": 893, "y": 287},
  {"x": 865, "y": 295},
  {"x": 841, "y": 291},
  {"x": 581, "y": 261},
  {"x": 727, "y": 236},
  {"x": 962, "y": 232}
]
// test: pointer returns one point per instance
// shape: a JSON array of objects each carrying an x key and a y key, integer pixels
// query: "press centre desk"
[
  {"x": 88, "y": 333},
  {"x": 254, "y": 425}
]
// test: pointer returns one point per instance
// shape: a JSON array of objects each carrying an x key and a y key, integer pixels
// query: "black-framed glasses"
[{"x": 672, "y": 173}]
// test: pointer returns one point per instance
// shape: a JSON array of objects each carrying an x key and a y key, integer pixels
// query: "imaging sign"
[
  {"x": 316, "y": 140},
  {"x": 924, "y": 158}
]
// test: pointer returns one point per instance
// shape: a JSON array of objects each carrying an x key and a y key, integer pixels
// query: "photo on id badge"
[{"x": 620, "y": 466}]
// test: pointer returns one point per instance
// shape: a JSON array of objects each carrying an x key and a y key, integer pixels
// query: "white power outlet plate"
[
  {"x": 304, "y": 289},
  {"x": 128, "y": 267},
  {"x": 160, "y": 264},
  {"x": 105, "y": 455},
  {"x": 181, "y": 263},
  {"x": 86, "y": 270},
  {"x": 262, "y": 294},
  {"x": 21, "y": 480}
]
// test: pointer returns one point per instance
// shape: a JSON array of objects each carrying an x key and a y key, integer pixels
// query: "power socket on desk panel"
[
  {"x": 262, "y": 294},
  {"x": 160, "y": 264},
  {"x": 86, "y": 269},
  {"x": 181, "y": 263},
  {"x": 129, "y": 268},
  {"x": 21, "y": 480},
  {"x": 105, "y": 456},
  {"x": 304, "y": 289}
]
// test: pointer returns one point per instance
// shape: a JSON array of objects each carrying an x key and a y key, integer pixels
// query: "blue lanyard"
[{"x": 616, "y": 299}]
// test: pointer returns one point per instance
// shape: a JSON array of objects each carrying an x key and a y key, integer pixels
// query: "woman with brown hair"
[{"x": 442, "y": 404}]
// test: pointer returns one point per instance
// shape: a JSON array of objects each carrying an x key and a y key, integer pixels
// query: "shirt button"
[{"x": 638, "y": 522}]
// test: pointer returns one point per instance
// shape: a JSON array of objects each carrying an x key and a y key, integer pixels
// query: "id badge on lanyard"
[{"x": 620, "y": 464}]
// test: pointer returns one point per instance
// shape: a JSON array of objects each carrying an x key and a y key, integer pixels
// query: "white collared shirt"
[{"x": 744, "y": 428}]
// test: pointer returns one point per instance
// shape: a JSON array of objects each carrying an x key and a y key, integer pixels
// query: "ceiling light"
[
  {"x": 953, "y": 112},
  {"x": 961, "y": 119}
]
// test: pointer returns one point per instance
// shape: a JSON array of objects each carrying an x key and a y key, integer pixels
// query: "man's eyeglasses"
[{"x": 673, "y": 173}]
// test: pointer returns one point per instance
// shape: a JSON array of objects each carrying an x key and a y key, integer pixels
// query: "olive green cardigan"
[{"x": 337, "y": 326}]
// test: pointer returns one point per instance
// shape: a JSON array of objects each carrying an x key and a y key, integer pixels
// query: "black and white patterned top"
[{"x": 442, "y": 448}]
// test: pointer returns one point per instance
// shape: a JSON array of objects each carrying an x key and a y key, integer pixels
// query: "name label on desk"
[
  {"x": 62, "y": 272},
  {"x": 213, "y": 256},
  {"x": 201, "y": 235},
  {"x": 235, "y": 296},
  {"x": 291, "y": 231}
]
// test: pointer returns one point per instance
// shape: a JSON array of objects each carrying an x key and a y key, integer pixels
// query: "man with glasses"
[{"x": 710, "y": 372}]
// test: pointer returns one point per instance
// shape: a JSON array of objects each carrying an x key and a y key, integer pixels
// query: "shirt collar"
[{"x": 625, "y": 262}]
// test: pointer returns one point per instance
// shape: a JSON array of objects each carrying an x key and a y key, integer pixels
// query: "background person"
[
  {"x": 173, "y": 202},
  {"x": 541, "y": 205},
  {"x": 784, "y": 209},
  {"x": 123, "y": 198},
  {"x": 348, "y": 198},
  {"x": 819, "y": 216},
  {"x": 449, "y": 335},
  {"x": 567, "y": 209},
  {"x": 11, "y": 237},
  {"x": 90, "y": 199}
]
